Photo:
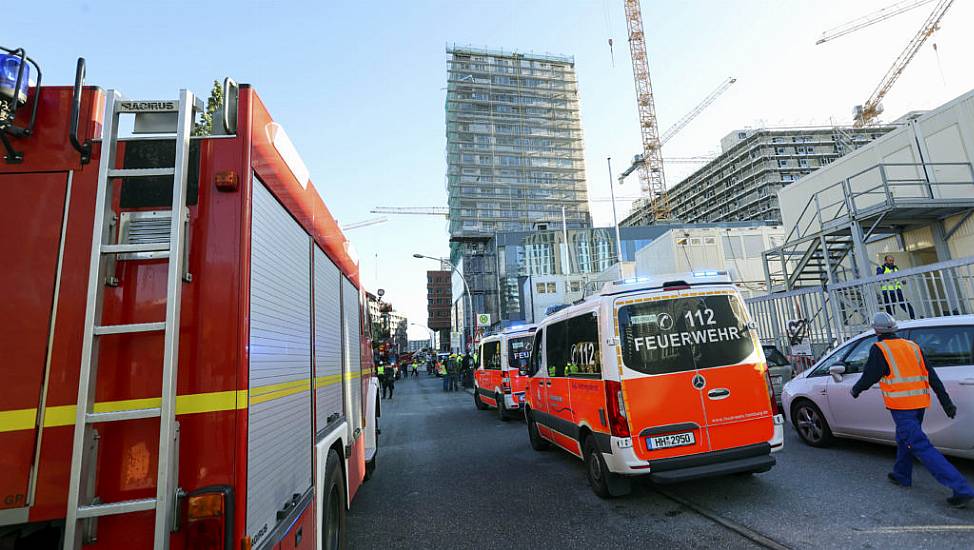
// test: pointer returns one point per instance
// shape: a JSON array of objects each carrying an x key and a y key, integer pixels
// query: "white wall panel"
[
  {"x": 279, "y": 430},
  {"x": 328, "y": 340}
]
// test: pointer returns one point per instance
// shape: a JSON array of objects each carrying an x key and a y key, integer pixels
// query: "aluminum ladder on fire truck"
[{"x": 83, "y": 506}]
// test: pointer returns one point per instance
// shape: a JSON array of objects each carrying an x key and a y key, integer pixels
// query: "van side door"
[{"x": 537, "y": 394}]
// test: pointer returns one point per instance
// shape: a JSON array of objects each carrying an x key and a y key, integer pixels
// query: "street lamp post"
[{"x": 466, "y": 288}]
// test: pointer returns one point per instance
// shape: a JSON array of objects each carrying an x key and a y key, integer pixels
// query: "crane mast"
[
  {"x": 651, "y": 176},
  {"x": 864, "y": 114}
]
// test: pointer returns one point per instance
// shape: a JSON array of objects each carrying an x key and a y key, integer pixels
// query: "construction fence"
[{"x": 807, "y": 322}]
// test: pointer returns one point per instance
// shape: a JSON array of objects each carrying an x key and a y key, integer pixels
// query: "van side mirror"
[{"x": 837, "y": 371}]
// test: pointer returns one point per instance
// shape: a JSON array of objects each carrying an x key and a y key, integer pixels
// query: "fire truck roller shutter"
[
  {"x": 328, "y": 343},
  {"x": 353, "y": 352},
  {"x": 279, "y": 428}
]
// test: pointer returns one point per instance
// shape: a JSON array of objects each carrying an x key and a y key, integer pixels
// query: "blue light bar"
[{"x": 9, "y": 66}]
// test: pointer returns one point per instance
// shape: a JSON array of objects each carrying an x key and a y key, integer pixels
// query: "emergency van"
[
  {"x": 661, "y": 377},
  {"x": 498, "y": 380}
]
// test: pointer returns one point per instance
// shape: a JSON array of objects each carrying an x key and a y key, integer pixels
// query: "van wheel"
[
  {"x": 333, "y": 512},
  {"x": 811, "y": 424},
  {"x": 604, "y": 483},
  {"x": 476, "y": 400},
  {"x": 501, "y": 408},
  {"x": 538, "y": 443}
]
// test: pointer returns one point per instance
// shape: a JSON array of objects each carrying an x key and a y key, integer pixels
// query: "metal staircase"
[{"x": 84, "y": 507}]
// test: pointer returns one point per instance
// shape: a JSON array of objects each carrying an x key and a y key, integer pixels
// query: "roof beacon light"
[
  {"x": 12, "y": 67},
  {"x": 709, "y": 273}
]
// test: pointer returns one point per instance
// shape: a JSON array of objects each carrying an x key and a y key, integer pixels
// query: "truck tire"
[{"x": 333, "y": 513}]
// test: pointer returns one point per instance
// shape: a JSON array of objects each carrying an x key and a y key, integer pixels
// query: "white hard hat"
[{"x": 884, "y": 323}]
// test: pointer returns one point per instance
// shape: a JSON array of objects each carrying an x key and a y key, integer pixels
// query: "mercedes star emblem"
[{"x": 699, "y": 382}]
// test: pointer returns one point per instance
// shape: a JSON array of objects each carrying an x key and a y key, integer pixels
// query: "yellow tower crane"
[{"x": 651, "y": 176}]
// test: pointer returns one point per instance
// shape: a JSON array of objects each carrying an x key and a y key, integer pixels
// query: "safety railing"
[{"x": 807, "y": 322}]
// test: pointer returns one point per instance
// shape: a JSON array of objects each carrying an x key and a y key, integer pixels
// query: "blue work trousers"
[
  {"x": 453, "y": 381},
  {"x": 912, "y": 442},
  {"x": 446, "y": 382}
]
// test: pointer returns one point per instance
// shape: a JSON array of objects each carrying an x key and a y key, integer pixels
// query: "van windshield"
[
  {"x": 682, "y": 334},
  {"x": 519, "y": 352}
]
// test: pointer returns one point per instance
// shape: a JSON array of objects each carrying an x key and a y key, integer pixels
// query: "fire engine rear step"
[{"x": 83, "y": 503}]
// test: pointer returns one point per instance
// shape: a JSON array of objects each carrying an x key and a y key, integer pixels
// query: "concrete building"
[
  {"x": 737, "y": 250},
  {"x": 438, "y": 305},
  {"x": 535, "y": 269},
  {"x": 741, "y": 184},
  {"x": 514, "y": 154},
  {"x": 417, "y": 345}
]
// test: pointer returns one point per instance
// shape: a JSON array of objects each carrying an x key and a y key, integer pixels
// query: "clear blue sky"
[{"x": 359, "y": 85}]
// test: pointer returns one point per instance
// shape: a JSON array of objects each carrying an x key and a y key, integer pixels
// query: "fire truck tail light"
[
  {"x": 206, "y": 506},
  {"x": 616, "y": 408},
  {"x": 209, "y": 518},
  {"x": 775, "y": 410},
  {"x": 227, "y": 181}
]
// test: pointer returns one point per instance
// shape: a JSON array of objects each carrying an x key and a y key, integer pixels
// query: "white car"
[{"x": 819, "y": 404}]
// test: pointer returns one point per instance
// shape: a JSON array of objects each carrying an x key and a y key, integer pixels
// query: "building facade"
[
  {"x": 438, "y": 305},
  {"x": 742, "y": 183},
  {"x": 514, "y": 155}
]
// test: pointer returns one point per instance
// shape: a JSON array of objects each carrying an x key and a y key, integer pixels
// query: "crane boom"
[
  {"x": 412, "y": 210},
  {"x": 687, "y": 118},
  {"x": 651, "y": 176},
  {"x": 365, "y": 223},
  {"x": 870, "y": 19},
  {"x": 865, "y": 113}
]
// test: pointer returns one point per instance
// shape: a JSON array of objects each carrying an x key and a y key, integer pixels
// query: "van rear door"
[{"x": 694, "y": 378}]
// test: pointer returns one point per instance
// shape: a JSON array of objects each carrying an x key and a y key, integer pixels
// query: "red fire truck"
[{"x": 184, "y": 339}]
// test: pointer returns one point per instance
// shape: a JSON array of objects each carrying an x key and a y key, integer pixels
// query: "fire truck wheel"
[
  {"x": 476, "y": 400},
  {"x": 333, "y": 520},
  {"x": 604, "y": 483},
  {"x": 501, "y": 408},
  {"x": 537, "y": 442}
]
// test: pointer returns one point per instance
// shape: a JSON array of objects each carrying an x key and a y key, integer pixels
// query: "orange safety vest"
[{"x": 907, "y": 386}]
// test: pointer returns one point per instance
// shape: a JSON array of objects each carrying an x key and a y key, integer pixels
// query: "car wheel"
[
  {"x": 538, "y": 443},
  {"x": 333, "y": 512},
  {"x": 604, "y": 483},
  {"x": 476, "y": 400},
  {"x": 811, "y": 424},
  {"x": 501, "y": 408}
]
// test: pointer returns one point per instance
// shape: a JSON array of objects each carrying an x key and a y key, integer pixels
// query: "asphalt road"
[{"x": 449, "y": 476}]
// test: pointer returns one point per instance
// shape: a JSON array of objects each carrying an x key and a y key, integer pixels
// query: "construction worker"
[
  {"x": 415, "y": 368},
  {"x": 452, "y": 371},
  {"x": 893, "y": 290},
  {"x": 898, "y": 365},
  {"x": 388, "y": 379},
  {"x": 441, "y": 372}
]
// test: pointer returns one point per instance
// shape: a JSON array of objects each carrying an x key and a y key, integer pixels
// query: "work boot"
[
  {"x": 893, "y": 479},
  {"x": 960, "y": 501}
]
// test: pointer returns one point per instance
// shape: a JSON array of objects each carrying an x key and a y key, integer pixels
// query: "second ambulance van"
[
  {"x": 498, "y": 381},
  {"x": 661, "y": 377}
]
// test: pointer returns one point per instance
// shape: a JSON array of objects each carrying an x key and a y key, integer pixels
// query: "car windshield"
[
  {"x": 775, "y": 358},
  {"x": 686, "y": 333},
  {"x": 519, "y": 352}
]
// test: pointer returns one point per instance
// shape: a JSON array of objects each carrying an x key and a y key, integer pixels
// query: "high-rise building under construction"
[{"x": 514, "y": 154}]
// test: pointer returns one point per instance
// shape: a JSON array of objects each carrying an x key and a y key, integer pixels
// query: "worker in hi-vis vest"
[
  {"x": 893, "y": 289},
  {"x": 905, "y": 380}
]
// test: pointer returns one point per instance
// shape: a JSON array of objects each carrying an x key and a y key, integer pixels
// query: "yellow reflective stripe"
[
  {"x": 64, "y": 415},
  {"x": 18, "y": 419},
  {"x": 324, "y": 381},
  {"x": 262, "y": 394},
  {"x": 905, "y": 393}
]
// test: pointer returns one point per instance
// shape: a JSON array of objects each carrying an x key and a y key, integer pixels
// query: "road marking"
[
  {"x": 741, "y": 529},
  {"x": 917, "y": 529}
]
